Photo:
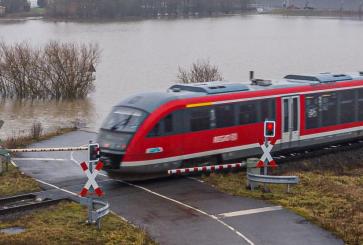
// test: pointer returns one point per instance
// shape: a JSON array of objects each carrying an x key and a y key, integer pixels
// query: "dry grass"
[
  {"x": 330, "y": 193},
  {"x": 14, "y": 182},
  {"x": 65, "y": 224},
  {"x": 35, "y": 135}
]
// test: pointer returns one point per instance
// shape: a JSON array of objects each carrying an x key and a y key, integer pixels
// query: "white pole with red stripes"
[{"x": 210, "y": 168}]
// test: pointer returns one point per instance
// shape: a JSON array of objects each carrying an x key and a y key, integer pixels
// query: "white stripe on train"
[{"x": 231, "y": 149}]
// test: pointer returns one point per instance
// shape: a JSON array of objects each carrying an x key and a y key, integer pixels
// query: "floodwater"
[{"x": 139, "y": 56}]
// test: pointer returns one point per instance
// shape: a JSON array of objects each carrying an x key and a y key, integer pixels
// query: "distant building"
[{"x": 2, "y": 11}]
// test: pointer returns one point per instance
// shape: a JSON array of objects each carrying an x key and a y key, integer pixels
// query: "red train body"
[{"x": 224, "y": 121}]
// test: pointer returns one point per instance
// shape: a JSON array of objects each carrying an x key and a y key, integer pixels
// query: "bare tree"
[
  {"x": 200, "y": 71},
  {"x": 59, "y": 71}
]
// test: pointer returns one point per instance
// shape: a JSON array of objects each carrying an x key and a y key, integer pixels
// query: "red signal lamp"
[{"x": 269, "y": 129}]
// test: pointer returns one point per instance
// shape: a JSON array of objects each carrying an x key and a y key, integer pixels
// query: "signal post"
[
  {"x": 269, "y": 132},
  {"x": 94, "y": 216}
]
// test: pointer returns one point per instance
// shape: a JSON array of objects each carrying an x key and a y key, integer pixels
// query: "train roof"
[{"x": 151, "y": 100}]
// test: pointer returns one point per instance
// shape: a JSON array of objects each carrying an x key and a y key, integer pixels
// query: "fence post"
[{"x": 251, "y": 168}]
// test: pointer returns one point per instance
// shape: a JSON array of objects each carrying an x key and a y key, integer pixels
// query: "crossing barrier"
[
  {"x": 80, "y": 148},
  {"x": 210, "y": 168}
]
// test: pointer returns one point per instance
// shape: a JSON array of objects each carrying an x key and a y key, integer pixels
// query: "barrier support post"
[{"x": 265, "y": 167}]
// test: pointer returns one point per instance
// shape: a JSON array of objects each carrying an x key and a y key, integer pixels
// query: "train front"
[
  {"x": 121, "y": 154},
  {"x": 115, "y": 135}
]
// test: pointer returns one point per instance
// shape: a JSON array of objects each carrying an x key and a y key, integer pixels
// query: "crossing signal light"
[
  {"x": 94, "y": 152},
  {"x": 269, "y": 128}
]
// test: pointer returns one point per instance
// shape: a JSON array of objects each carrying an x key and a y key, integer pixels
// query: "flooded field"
[{"x": 139, "y": 56}]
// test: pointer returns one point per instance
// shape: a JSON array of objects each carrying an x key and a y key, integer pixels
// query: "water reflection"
[{"x": 18, "y": 116}]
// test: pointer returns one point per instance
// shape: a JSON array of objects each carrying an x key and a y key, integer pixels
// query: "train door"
[{"x": 290, "y": 120}]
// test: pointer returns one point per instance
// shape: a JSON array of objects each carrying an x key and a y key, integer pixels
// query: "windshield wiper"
[{"x": 122, "y": 123}]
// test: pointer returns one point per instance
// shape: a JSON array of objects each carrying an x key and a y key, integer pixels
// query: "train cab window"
[
  {"x": 168, "y": 125},
  {"x": 328, "y": 107},
  {"x": 200, "y": 118},
  {"x": 347, "y": 106},
  {"x": 124, "y": 119},
  {"x": 312, "y": 111},
  {"x": 247, "y": 113},
  {"x": 156, "y": 131},
  {"x": 224, "y": 116}
]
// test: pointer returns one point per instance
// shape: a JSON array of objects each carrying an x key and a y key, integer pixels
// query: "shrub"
[
  {"x": 58, "y": 71},
  {"x": 200, "y": 71}
]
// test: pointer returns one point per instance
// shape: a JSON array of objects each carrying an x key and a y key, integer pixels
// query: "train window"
[
  {"x": 347, "y": 106},
  {"x": 286, "y": 115},
  {"x": 156, "y": 131},
  {"x": 168, "y": 124},
  {"x": 248, "y": 112},
  {"x": 200, "y": 119},
  {"x": 360, "y": 104},
  {"x": 164, "y": 127},
  {"x": 295, "y": 110},
  {"x": 312, "y": 111},
  {"x": 328, "y": 107},
  {"x": 124, "y": 119},
  {"x": 267, "y": 109},
  {"x": 224, "y": 115}
]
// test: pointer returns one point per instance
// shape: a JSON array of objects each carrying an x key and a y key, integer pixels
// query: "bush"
[
  {"x": 36, "y": 130},
  {"x": 201, "y": 71},
  {"x": 58, "y": 71}
]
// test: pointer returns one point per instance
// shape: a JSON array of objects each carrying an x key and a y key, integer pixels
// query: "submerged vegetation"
[
  {"x": 65, "y": 224},
  {"x": 200, "y": 71},
  {"x": 57, "y": 71},
  {"x": 330, "y": 192}
]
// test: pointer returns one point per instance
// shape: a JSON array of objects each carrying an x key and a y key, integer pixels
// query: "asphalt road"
[{"x": 174, "y": 210}]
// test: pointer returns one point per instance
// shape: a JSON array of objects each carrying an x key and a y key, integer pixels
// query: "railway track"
[
  {"x": 314, "y": 152},
  {"x": 24, "y": 202}
]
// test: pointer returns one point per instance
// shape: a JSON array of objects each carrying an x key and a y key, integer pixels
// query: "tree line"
[
  {"x": 14, "y": 6},
  {"x": 143, "y": 8}
]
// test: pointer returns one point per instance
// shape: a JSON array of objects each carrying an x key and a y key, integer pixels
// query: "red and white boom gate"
[{"x": 210, "y": 168}]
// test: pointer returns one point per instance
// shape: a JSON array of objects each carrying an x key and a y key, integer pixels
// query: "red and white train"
[{"x": 193, "y": 123}]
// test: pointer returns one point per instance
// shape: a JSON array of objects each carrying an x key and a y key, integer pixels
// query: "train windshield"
[{"x": 124, "y": 119}]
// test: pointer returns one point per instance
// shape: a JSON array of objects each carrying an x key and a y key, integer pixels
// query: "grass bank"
[
  {"x": 330, "y": 192},
  {"x": 65, "y": 224},
  {"x": 13, "y": 182}
]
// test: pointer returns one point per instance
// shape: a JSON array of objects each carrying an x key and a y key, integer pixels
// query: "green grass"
[
  {"x": 329, "y": 196},
  {"x": 38, "y": 11},
  {"x": 14, "y": 182},
  {"x": 65, "y": 224}
]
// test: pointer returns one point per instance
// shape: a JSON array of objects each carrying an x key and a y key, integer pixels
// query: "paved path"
[{"x": 175, "y": 210}]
